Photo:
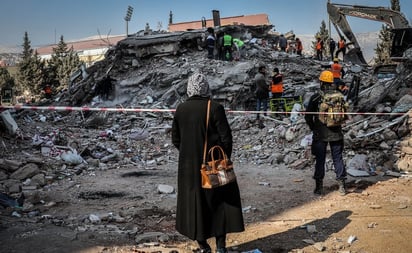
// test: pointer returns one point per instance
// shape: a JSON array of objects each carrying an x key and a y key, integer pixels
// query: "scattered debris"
[
  {"x": 150, "y": 73},
  {"x": 352, "y": 239}
]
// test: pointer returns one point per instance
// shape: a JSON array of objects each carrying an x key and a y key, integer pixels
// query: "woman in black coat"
[{"x": 203, "y": 213}]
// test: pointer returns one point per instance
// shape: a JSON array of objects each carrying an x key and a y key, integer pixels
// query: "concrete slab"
[{"x": 357, "y": 173}]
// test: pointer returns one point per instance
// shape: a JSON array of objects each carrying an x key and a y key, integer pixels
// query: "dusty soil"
[{"x": 278, "y": 207}]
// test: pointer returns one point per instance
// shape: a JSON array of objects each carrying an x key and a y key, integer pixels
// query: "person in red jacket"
[
  {"x": 337, "y": 71},
  {"x": 341, "y": 47},
  {"x": 319, "y": 49},
  {"x": 47, "y": 91},
  {"x": 276, "y": 87},
  {"x": 299, "y": 46}
]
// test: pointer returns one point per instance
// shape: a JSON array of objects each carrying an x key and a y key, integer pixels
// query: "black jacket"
[
  {"x": 262, "y": 88},
  {"x": 203, "y": 213},
  {"x": 320, "y": 130}
]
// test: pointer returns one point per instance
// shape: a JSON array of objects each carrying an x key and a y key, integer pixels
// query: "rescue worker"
[
  {"x": 332, "y": 47},
  {"x": 276, "y": 86},
  {"x": 319, "y": 49},
  {"x": 337, "y": 71},
  {"x": 291, "y": 49},
  {"x": 48, "y": 91},
  {"x": 299, "y": 46},
  {"x": 211, "y": 43},
  {"x": 341, "y": 48},
  {"x": 324, "y": 136},
  {"x": 276, "y": 89},
  {"x": 283, "y": 43},
  {"x": 261, "y": 92},
  {"x": 227, "y": 46},
  {"x": 240, "y": 45},
  {"x": 219, "y": 45}
]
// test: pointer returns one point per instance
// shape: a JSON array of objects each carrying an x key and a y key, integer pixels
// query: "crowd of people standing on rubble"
[{"x": 224, "y": 46}]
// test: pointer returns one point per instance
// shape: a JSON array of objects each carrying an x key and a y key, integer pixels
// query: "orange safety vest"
[
  {"x": 318, "y": 46},
  {"x": 276, "y": 87},
  {"x": 336, "y": 69},
  {"x": 341, "y": 44}
]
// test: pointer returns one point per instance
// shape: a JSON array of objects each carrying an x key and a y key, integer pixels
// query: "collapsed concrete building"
[
  {"x": 40, "y": 147},
  {"x": 151, "y": 72}
]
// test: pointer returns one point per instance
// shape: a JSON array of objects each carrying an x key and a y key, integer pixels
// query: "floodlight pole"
[
  {"x": 127, "y": 28},
  {"x": 127, "y": 18},
  {"x": 329, "y": 26}
]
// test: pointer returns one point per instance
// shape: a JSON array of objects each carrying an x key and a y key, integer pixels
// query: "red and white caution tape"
[
  {"x": 106, "y": 109},
  {"x": 83, "y": 109}
]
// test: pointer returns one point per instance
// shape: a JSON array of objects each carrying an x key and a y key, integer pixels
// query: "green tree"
[
  {"x": 5, "y": 78},
  {"x": 323, "y": 34},
  {"x": 62, "y": 63},
  {"x": 30, "y": 70},
  {"x": 384, "y": 45}
]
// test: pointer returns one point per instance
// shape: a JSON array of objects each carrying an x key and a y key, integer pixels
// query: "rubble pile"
[
  {"x": 151, "y": 72},
  {"x": 405, "y": 150}
]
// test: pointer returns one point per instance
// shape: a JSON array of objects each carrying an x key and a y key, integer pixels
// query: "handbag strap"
[{"x": 207, "y": 124}]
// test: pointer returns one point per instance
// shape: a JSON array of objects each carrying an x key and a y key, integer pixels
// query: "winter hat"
[{"x": 197, "y": 85}]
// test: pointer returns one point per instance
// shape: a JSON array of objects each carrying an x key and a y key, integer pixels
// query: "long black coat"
[{"x": 203, "y": 213}]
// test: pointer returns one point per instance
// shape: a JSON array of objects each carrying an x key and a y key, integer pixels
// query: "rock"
[
  {"x": 9, "y": 122},
  {"x": 3, "y": 175},
  {"x": 351, "y": 239},
  {"x": 165, "y": 189},
  {"x": 359, "y": 162},
  {"x": 392, "y": 173},
  {"x": 148, "y": 237},
  {"x": 299, "y": 164},
  {"x": 375, "y": 206},
  {"x": 311, "y": 229},
  {"x": 39, "y": 180},
  {"x": 357, "y": 173},
  {"x": 94, "y": 218},
  {"x": 10, "y": 165},
  {"x": 319, "y": 246},
  {"x": 26, "y": 171}
]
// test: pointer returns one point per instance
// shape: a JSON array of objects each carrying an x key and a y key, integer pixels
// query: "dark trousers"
[
  {"x": 261, "y": 103},
  {"x": 210, "y": 50},
  {"x": 341, "y": 50},
  {"x": 319, "y": 55},
  {"x": 319, "y": 150},
  {"x": 332, "y": 54},
  {"x": 227, "y": 53}
]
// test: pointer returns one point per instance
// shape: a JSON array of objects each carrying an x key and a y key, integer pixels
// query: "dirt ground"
[{"x": 280, "y": 211}]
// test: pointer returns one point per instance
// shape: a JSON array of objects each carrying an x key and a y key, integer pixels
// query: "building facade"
[{"x": 89, "y": 51}]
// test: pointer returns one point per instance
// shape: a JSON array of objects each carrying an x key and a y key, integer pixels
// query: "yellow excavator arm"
[{"x": 338, "y": 12}]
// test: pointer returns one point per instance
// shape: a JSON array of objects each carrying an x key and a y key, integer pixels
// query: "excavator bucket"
[{"x": 355, "y": 56}]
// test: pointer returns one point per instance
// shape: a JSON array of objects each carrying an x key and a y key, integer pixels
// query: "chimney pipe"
[{"x": 216, "y": 18}]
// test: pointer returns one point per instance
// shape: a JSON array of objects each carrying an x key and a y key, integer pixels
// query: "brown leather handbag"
[{"x": 216, "y": 170}]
